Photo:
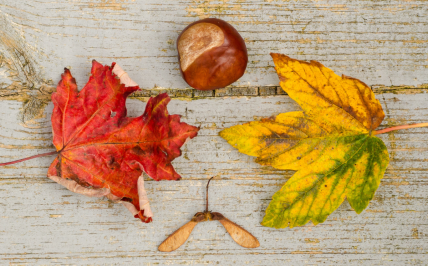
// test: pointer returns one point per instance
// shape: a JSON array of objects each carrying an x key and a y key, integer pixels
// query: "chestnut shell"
[{"x": 219, "y": 66}]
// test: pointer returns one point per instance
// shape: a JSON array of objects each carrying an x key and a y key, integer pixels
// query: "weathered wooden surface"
[
  {"x": 44, "y": 223},
  {"x": 380, "y": 42}
]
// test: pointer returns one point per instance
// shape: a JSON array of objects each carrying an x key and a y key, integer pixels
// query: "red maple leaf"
[{"x": 100, "y": 147}]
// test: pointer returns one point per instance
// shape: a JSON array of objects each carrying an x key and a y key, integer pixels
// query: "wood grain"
[
  {"x": 383, "y": 43},
  {"x": 380, "y": 42},
  {"x": 44, "y": 223}
]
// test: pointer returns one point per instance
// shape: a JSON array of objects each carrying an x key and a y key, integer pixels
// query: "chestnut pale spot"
[{"x": 196, "y": 40}]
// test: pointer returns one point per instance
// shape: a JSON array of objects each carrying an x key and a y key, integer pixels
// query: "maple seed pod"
[
  {"x": 238, "y": 234},
  {"x": 211, "y": 54}
]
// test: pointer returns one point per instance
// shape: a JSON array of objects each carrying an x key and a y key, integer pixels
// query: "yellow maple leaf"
[{"x": 330, "y": 143}]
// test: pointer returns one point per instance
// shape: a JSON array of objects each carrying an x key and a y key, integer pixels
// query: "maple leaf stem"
[
  {"x": 385, "y": 130},
  {"x": 29, "y": 158}
]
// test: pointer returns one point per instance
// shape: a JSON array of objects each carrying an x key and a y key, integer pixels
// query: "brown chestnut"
[{"x": 211, "y": 54}]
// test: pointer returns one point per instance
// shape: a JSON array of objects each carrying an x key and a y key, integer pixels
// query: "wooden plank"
[
  {"x": 44, "y": 223},
  {"x": 380, "y": 42}
]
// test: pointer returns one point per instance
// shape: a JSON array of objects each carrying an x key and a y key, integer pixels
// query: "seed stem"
[
  {"x": 385, "y": 130},
  {"x": 29, "y": 158},
  {"x": 206, "y": 208}
]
